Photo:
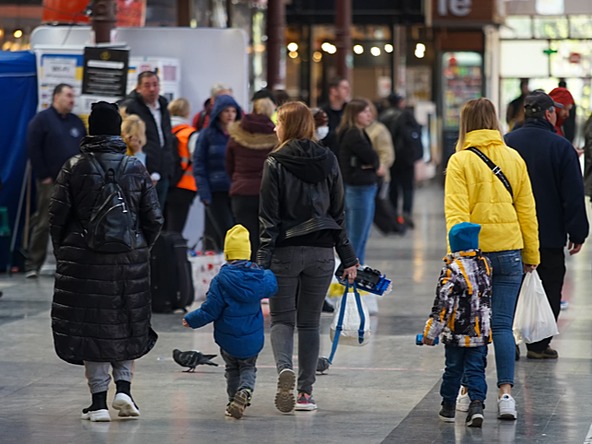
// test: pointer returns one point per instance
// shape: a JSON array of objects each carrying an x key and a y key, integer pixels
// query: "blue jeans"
[
  {"x": 507, "y": 277},
  {"x": 303, "y": 275},
  {"x": 359, "y": 214},
  {"x": 468, "y": 363},
  {"x": 240, "y": 373}
]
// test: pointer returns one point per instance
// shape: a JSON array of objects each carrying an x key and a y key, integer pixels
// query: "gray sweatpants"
[{"x": 97, "y": 374}]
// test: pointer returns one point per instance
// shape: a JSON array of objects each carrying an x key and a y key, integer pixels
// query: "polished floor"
[{"x": 385, "y": 392}]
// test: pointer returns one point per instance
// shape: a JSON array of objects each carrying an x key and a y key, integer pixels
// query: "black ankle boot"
[
  {"x": 99, "y": 402},
  {"x": 124, "y": 387}
]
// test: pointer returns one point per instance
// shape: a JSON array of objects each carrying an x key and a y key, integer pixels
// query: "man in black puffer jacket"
[
  {"x": 558, "y": 189},
  {"x": 100, "y": 315}
]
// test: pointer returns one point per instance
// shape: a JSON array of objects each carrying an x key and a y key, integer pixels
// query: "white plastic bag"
[
  {"x": 534, "y": 319},
  {"x": 204, "y": 267},
  {"x": 355, "y": 328}
]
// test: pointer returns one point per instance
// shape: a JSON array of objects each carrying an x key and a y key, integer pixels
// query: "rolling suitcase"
[{"x": 170, "y": 274}]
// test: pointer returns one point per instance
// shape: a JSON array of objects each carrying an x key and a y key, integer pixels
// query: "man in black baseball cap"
[
  {"x": 537, "y": 102},
  {"x": 556, "y": 178}
]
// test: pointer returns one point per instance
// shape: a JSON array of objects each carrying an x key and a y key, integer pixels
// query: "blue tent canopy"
[{"x": 18, "y": 104}]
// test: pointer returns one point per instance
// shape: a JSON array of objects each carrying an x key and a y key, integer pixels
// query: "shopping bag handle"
[{"x": 339, "y": 326}]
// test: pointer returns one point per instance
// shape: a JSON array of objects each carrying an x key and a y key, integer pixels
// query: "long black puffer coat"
[{"x": 101, "y": 306}]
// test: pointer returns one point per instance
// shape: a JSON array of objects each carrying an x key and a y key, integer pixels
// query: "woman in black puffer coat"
[{"x": 101, "y": 306}]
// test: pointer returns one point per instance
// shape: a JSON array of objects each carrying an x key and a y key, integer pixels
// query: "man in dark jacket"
[
  {"x": 558, "y": 190},
  {"x": 53, "y": 136},
  {"x": 339, "y": 91},
  {"x": 151, "y": 107},
  {"x": 100, "y": 315},
  {"x": 406, "y": 134}
]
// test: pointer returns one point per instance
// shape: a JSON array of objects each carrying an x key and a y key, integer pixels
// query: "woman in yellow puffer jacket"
[{"x": 509, "y": 228}]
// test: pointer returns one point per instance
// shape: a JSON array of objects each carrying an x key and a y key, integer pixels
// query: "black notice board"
[{"x": 105, "y": 71}]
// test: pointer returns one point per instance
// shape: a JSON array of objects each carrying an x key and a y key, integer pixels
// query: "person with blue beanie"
[
  {"x": 461, "y": 312},
  {"x": 233, "y": 304}
]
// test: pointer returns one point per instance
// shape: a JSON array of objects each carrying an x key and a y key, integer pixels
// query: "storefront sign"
[{"x": 467, "y": 13}]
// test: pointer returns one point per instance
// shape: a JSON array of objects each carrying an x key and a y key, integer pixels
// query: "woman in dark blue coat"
[{"x": 209, "y": 169}]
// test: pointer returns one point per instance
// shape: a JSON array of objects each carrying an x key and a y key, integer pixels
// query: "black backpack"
[
  {"x": 111, "y": 227},
  {"x": 406, "y": 134}
]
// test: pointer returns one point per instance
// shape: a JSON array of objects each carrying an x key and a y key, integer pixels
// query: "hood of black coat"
[
  {"x": 103, "y": 144},
  {"x": 306, "y": 159}
]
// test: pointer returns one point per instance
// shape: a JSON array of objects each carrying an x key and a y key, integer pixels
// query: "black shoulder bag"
[{"x": 496, "y": 170}]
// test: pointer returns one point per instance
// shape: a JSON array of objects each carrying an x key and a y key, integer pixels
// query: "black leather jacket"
[{"x": 301, "y": 193}]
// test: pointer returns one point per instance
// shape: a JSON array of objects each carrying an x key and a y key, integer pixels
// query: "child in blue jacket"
[
  {"x": 461, "y": 312},
  {"x": 233, "y": 303}
]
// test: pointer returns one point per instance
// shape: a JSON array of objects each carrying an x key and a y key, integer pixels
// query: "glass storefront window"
[
  {"x": 580, "y": 26},
  {"x": 524, "y": 58},
  {"x": 550, "y": 28},
  {"x": 517, "y": 27},
  {"x": 572, "y": 59}
]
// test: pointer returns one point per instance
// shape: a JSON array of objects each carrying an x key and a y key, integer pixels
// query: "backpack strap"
[{"x": 493, "y": 167}]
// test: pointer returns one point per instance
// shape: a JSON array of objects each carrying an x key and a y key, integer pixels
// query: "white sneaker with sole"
[
  {"x": 462, "y": 400},
  {"x": 96, "y": 415},
  {"x": 506, "y": 408},
  {"x": 126, "y": 406}
]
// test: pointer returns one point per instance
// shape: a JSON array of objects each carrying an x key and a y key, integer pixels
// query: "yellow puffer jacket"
[{"x": 474, "y": 194}]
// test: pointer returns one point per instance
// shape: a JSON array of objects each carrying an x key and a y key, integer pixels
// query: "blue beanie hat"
[{"x": 464, "y": 236}]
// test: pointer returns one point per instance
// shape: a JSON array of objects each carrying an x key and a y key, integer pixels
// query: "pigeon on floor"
[{"x": 192, "y": 359}]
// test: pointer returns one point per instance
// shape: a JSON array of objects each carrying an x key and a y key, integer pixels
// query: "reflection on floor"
[{"x": 385, "y": 392}]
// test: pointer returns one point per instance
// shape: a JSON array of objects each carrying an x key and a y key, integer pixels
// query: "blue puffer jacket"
[
  {"x": 557, "y": 183},
  {"x": 209, "y": 157},
  {"x": 233, "y": 303}
]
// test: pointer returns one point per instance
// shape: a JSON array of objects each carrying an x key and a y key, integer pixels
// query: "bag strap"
[
  {"x": 493, "y": 167},
  {"x": 339, "y": 326},
  {"x": 362, "y": 316}
]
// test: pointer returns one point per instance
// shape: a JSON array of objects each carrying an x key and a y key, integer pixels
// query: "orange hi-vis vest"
[{"x": 183, "y": 132}]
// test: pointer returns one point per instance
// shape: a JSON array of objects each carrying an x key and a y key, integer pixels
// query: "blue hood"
[
  {"x": 243, "y": 283},
  {"x": 222, "y": 102}
]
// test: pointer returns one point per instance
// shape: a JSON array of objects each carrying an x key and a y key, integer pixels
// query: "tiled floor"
[{"x": 385, "y": 392}]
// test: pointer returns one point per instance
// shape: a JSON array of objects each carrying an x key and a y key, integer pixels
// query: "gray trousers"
[
  {"x": 97, "y": 374},
  {"x": 303, "y": 275},
  {"x": 240, "y": 373}
]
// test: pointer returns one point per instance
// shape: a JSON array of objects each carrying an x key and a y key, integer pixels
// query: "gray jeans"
[
  {"x": 97, "y": 374},
  {"x": 240, "y": 373},
  {"x": 303, "y": 275}
]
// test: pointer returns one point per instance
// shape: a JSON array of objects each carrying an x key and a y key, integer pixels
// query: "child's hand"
[{"x": 185, "y": 324}]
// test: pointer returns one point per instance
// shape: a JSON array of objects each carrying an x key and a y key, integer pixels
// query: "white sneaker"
[
  {"x": 96, "y": 415},
  {"x": 462, "y": 400},
  {"x": 125, "y": 405},
  {"x": 506, "y": 408}
]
